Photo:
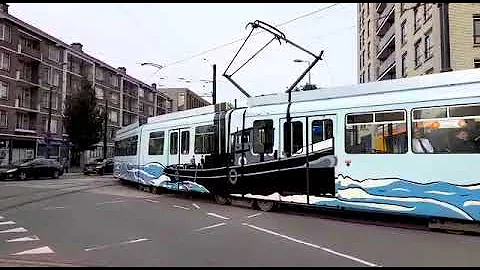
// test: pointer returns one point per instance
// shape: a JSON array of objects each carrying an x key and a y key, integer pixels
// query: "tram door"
[
  {"x": 321, "y": 132},
  {"x": 179, "y": 146}
]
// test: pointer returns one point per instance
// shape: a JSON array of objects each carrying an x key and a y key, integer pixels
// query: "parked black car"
[
  {"x": 98, "y": 166},
  {"x": 35, "y": 168}
]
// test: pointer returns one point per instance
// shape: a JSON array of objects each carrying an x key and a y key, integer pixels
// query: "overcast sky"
[{"x": 129, "y": 34}]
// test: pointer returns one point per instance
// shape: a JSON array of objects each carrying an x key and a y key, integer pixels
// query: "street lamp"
[{"x": 308, "y": 62}]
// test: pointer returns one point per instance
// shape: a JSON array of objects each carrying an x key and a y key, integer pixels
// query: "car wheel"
[
  {"x": 22, "y": 176},
  {"x": 55, "y": 174}
]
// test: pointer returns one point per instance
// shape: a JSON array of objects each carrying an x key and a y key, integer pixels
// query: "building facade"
[
  {"x": 409, "y": 39},
  {"x": 184, "y": 98},
  {"x": 33, "y": 63}
]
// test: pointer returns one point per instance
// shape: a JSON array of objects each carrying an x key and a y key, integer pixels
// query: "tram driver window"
[
  {"x": 376, "y": 133},
  {"x": 447, "y": 130},
  {"x": 263, "y": 136}
]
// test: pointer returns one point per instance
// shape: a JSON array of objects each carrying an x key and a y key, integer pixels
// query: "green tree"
[{"x": 83, "y": 119}]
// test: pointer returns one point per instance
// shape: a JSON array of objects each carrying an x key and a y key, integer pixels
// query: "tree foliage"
[{"x": 83, "y": 119}]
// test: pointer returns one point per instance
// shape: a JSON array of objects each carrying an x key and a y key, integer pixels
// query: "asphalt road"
[{"x": 96, "y": 221}]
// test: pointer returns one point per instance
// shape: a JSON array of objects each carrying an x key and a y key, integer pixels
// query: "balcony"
[
  {"x": 380, "y": 7},
  {"x": 386, "y": 19},
  {"x": 29, "y": 53},
  {"x": 28, "y": 76},
  {"x": 386, "y": 44},
  {"x": 386, "y": 67}
]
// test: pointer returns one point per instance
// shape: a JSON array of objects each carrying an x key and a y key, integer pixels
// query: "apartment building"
[
  {"x": 33, "y": 63},
  {"x": 183, "y": 98},
  {"x": 409, "y": 39}
]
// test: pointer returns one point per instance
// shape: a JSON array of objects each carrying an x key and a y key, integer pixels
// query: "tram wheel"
[
  {"x": 222, "y": 200},
  {"x": 265, "y": 206}
]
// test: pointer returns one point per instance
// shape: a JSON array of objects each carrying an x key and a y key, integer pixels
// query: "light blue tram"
[{"x": 406, "y": 146}]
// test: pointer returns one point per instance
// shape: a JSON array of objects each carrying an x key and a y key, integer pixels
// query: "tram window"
[
  {"x": 185, "y": 146},
  {"x": 430, "y": 113},
  {"x": 204, "y": 139},
  {"x": 321, "y": 130},
  {"x": 173, "y": 143},
  {"x": 359, "y": 118},
  {"x": 386, "y": 135},
  {"x": 263, "y": 136},
  {"x": 155, "y": 143},
  {"x": 126, "y": 147},
  {"x": 457, "y": 133},
  {"x": 297, "y": 137}
]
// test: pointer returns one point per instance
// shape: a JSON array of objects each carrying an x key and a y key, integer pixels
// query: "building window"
[
  {"x": 418, "y": 17},
  {"x": 427, "y": 14},
  {"x": 99, "y": 93},
  {"x": 141, "y": 92},
  {"x": 429, "y": 71},
  {"x": 53, "y": 125},
  {"x": 404, "y": 64},
  {"x": 3, "y": 119},
  {"x": 150, "y": 110},
  {"x": 376, "y": 133},
  {"x": 5, "y": 61},
  {"x": 46, "y": 100},
  {"x": 53, "y": 53},
  {"x": 23, "y": 122},
  {"x": 30, "y": 44},
  {"x": 24, "y": 97},
  {"x": 404, "y": 32},
  {"x": 5, "y": 33},
  {"x": 53, "y": 76},
  {"x": 418, "y": 53},
  {"x": 98, "y": 74},
  {"x": 476, "y": 30},
  {"x": 428, "y": 45},
  {"x": 476, "y": 63},
  {"x": 368, "y": 28},
  {"x": 113, "y": 116},
  {"x": 368, "y": 50},
  {"x": 114, "y": 98},
  {"x": 3, "y": 90}
]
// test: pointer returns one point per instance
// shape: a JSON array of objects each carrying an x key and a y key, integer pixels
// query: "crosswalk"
[{"x": 16, "y": 240}]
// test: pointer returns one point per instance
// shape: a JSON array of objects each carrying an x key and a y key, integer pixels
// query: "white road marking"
[
  {"x": 54, "y": 207},
  {"x": 119, "y": 244},
  {"x": 23, "y": 239},
  {"x": 215, "y": 215},
  {"x": 110, "y": 202},
  {"x": 20, "y": 229},
  {"x": 7, "y": 222},
  {"x": 196, "y": 205},
  {"x": 311, "y": 245},
  {"x": 212, "y": 226},
  {"x": 254, "y": 215},
  {"x": 148, "y": 200},
  {"x": 42, "y": 250},
  {"x": 186, "y": 208}
]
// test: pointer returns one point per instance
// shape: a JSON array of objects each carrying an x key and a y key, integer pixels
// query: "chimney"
[
  {"x": 154, "y": 86},
  {"x": 77, "y": 46},
  {"x": 4, "y": 7},
  {"x": 122, "y": 70}
]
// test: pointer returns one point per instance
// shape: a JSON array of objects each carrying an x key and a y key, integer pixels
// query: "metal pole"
[
  {"x": 214, "y": 91},
  {"x": 309, "y": 75},
  {"x": 105, "y": 118},
  {"x": 49, "y": 121}
]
